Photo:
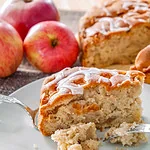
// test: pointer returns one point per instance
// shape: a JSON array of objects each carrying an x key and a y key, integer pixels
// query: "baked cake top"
[
  {"x": 72, "y": 81},
  {"x": 115, "y": 16}
]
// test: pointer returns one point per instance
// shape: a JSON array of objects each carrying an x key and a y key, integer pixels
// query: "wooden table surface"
[{"x": 77, "y": 5}]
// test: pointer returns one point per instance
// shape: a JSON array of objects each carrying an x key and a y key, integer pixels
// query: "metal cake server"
[
  {"x": 139, "y": 128},
  {"x": 13, "y": 100}
]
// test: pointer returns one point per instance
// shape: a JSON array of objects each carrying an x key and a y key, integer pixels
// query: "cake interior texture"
[
  {"x": 117, "y": 49},
  {"x": 114, "y": 32},
  {"x": 105, "y": 97},
  {"x": 77, "y": 137},
  {"x": 124, "y": 138}
]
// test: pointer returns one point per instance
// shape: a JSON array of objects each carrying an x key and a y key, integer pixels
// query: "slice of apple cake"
[
  {"x": 81, "y": 95},
  {"x": 77, "y": 137}
]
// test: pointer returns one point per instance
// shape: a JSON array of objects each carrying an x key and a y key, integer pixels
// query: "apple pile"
[
  {"x": 32, "y": 27},
  {"x": 23, "y": 14}
]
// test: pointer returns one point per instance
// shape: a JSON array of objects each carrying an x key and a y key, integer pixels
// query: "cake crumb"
[{"x": 77, "y": 137}]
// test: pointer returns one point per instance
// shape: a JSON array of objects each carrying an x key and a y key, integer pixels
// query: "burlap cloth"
[{"x": 26, "y": 73}]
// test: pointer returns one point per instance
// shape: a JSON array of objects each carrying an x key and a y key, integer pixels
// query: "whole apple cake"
[
  {"x": 77, "y": 137},
  {"x": 82, "y": 95},
  {"x": 114, "y": 31}
]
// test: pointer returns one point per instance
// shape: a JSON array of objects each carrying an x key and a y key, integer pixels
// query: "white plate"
[{"x": 17, "y": 133}]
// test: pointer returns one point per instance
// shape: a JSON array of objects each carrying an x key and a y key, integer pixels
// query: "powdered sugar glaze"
[
  {"x": 120, "y": 15},
  {"x": 68, "y": 83}
]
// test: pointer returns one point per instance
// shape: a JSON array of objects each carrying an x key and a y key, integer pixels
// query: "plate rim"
[
  {"x": 25, "y": 86},
  {"x": 42, "y": 79}
]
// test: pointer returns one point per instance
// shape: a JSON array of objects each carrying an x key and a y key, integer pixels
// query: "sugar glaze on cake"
[
  {"x": 67, "y": 84},
  {"x": 131, "y": 13}
]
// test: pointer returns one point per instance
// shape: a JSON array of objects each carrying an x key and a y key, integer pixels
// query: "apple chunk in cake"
[
  {"x": 82, "y": 95},
  {"x": 77, "y": 137},
  {"x": 124, "y": 138}
]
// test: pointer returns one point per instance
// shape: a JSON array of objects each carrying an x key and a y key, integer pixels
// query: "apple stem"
[
  {"x": 54, "y": 42},
  {"x": 27, "y": 1}
]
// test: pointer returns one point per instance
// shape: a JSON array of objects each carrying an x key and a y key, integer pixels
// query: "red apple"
[
  {"x": 11, "y": 49},
  {"x": 23, "y": 14},
  {"x": 51, "y": 46}
]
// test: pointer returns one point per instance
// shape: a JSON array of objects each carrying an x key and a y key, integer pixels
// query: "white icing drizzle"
[
  {"x": 119, "y": 79},
  {"x": 138, "y": 5},
  {"x": 107, "y": 11},
  {"x": 58, "y": 77},
  {"x": 113, "y": 26},
  {"x": 133, "y": 16},
  {"x": 103, "y": 79},
  {"x": 77, "y": 89},
  {"x": 107, "y": 24},
  {"x": 89, "y": 75}
]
